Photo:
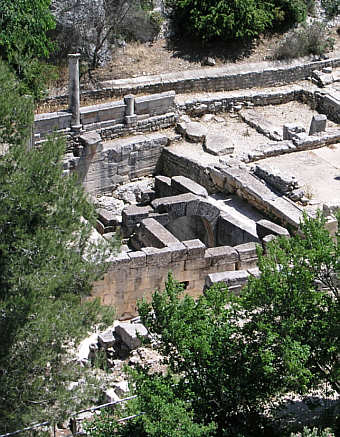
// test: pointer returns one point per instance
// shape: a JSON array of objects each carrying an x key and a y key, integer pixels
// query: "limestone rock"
[
  {"x": 218, "y": 144},
  {"x": 106, "y": 339},
  {"x": 121, "y": 388},
  {"x": 266, "y": 227},
  {"x": 209, "y": 61},
  {"x": 195, "y": 132},
  {"x": 87, "y": 348},
  {"x": 111, "y": 396},
  {"x": 129, "y": 332},
  {"x": 181, "y": 185}
]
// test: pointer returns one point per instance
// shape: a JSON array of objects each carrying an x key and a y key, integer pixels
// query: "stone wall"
[
  {"x": 329, "y": 105},
  {"x": 110, "y": 119},
  {"x": 234, "y": 178},
  {"x": 103, "y": 166},
  {"x": 134, "y": 275},
  {"x": 209, "y": 79},
  {"x": 218, "y": 102}
]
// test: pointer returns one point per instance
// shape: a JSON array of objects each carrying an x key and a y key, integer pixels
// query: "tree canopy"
[
  {"x": 229, "y": 357},
  {"x": 47, "y": 264},
  {"x": 24, "y": 40}
]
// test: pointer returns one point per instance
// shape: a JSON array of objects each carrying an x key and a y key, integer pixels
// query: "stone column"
[
  {"x": 74, "y": 94},
  {"x": 130, "y": 116}
]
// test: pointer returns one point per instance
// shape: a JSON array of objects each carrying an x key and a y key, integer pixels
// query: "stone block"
[
  {"x": 217, "y": 144},
  {"x": 195, "y": 248},
  {"x": 163, "y": 219},
  {"x": 134, "y": 214},
  {"x": 138, "y": 259},
  {"x": 181, "y": 185},
  {"x": 247, "y": 264},
  {"x": 318, "y": 124},
  {"x": 266, "y": 240},
  {"x": 130, "y": 334},
  {"x": 178, "y": 252},
  {"x": 266, "y": 227},
  {"x": 163, "y": 186},
  {"x": 175, "y": 206},
  {"x": 255, "y": 272},
  {"x": 222, "y": 255},
  {"x": 246, "y": 251},
  {"x": 120, "y": 261},
  {"x": 157, "y": 257},
  {"x": 106, "y": 339},
  {"x": 290, "y": 130},
  {"x": 108, "y": 218},
  {"x": 195, "y": 132},
  {"x": 152, "y": 233},
  {"x": 197, "y": 264},
  {"x": 236, "y": 278}
]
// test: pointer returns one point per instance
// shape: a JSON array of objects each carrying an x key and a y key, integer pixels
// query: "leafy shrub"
[
  {"x": 236, "y": 18},
  {"x": 309, "y": 39},
  {"x": 331, "y": 7}
]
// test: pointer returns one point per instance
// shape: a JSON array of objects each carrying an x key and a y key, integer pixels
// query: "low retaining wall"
[
  {"x": 138, "y": 274},
  {"x": 208, "y": 79},
  {"x": 102, "y": 167},
  {"x": 329, "y": 105},
  {"x": 112, "y": 119},
  {"x": 222, "y": 178}
]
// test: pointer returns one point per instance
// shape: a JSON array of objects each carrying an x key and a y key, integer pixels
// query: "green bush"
[
  {"x": 331, "y": 7},
  {"x": 24, "y": 41},
  {"x": 310, "y": 39},
  {"x": 236, "y": 18}
]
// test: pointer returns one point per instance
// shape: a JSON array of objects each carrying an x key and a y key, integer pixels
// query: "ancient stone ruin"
[{"x": 194, "y": 182}]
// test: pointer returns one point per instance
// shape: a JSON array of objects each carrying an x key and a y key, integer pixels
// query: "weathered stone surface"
[
  {"x": 163, "y": 186},
  {"x": 279, "y": 180},
  {"x": 133, "y": 214},
  {"x": 217, "y": 144},
  {"x": 266, "y": 240},
  {"x": 157, "y": 257},
  {"x": 106, "y": 339},
  {"x": 318, "y": 124},
  {"x": 108, "y": 218},
  {"x": 235, "y": 280},
  {"x": 152, "y": 233},
  {"x": 266, "y": 227},
  {"x": 195, "y": 132},
  {"x": 179, "y": 252},
  {"x": 129, "y": 333},
  {"x": 90, "y": 139},
  {"x": 174, "y": 205},
  {"x": 261, "y": 124},
  {"x": 291, "y": 130},
  {"x": 195, "y": 248},
  {"x": 181, "y": 185},
  {"x": 271, "y": 149},
  {"x": 138, "y": 259},
  {"x": 246, "y": 251},
  {"x": 222, "y": 255}
]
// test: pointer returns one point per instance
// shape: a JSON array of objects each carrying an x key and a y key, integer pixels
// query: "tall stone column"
[{"x": 74, "y": 93}]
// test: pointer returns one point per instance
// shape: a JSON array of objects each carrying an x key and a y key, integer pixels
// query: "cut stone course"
[
  {"x": 266, "y": 227},
  {"x": 217, "y": 144},
  {"x": 182, "y": 184}
]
